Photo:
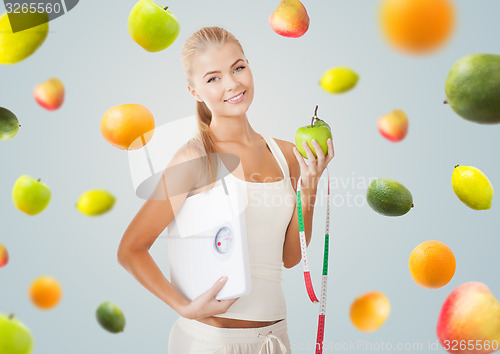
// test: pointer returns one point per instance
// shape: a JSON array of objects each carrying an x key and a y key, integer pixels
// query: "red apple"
[
  {"x": 49, "y": 94},
  {"x": 393, "y": 126},
  {"x": 4, "y": 255},
  {"x": 469, "y": 321},
  {"x": 290, "y": 19}
]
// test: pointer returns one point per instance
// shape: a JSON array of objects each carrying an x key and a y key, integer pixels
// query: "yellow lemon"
[
  {"x": 338, "y": 80},
  {"x": 472, "y": 187},
  {"x": 95, "y": 202},
  {"x": 17, "y": 46}
]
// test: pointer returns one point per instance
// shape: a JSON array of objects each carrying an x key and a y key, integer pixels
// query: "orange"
[
  {"x": 45, "y": 292},
  {"x": 128, "y": 126},
  {"x": 369, "y": 311},
  {"x": 432, "y": 264},
  {"x": 417, "y": 26}
]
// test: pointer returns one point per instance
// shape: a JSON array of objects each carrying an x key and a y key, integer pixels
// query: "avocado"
[
  {"x": 388, "y": 197},
  {"x": 473, "y": 88}
]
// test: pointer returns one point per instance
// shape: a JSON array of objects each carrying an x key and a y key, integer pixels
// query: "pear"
[
  {"x": 290, "y": 19},
  {"x": 17, "y": 46}
]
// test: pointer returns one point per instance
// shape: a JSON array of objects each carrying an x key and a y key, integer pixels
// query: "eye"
[
  {"x": 240, "y": 67},
  {"x": 212, "y": 78}
]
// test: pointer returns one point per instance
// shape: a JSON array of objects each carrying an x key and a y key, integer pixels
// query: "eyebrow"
[{"x": 213, "y": 72}]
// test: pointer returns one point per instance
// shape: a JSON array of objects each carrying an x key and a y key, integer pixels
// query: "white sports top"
[{"x": 269, "y": 211}]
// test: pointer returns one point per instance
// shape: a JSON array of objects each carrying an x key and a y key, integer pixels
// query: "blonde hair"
[{"x": 203, "y": 39}]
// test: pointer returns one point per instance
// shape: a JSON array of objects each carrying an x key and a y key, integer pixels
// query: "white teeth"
[{"x": 236, "y": 98}]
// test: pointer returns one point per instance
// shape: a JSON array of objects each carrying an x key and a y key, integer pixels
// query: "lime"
[
  {"x": 388, "y": 197},
  {"x": 338, "y": 80},
  {"x": 9, "y": 124},
  {"x": 95, "y": 202},
  {"x": 472, "y": 187},
  {"x": 110, "y": 317}
]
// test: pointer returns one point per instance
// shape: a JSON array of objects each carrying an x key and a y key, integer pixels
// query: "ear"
[{"x": 194, "y": 93}]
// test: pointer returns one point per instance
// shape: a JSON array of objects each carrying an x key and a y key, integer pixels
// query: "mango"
[{"x": 472, "y": 88}]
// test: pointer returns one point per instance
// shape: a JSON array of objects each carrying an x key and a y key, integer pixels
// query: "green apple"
[
  {"x": 15, "y": 337},
  {"x": 318, "y": 130},
  {"x": 9, "y": 124},
  {"x": 151, "y": 26},
  {"x": 30, "y": 196}
]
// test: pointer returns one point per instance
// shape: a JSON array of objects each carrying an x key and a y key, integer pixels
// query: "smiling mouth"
[{"x": 235, "y": 98}]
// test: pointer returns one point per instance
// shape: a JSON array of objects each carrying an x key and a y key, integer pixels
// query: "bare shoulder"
[{"x": 293, "y": 165}]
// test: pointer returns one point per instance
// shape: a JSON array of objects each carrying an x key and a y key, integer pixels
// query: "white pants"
[{"x": 191, "y": 336}]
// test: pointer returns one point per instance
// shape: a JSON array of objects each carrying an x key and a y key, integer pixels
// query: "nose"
[{"x": 231, "y": 83}]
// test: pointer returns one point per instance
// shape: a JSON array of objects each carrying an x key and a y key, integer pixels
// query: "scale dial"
[{"x": 224, "y": 240}]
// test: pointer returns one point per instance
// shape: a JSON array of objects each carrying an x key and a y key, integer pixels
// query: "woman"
[{"x": 221, "y": 81}]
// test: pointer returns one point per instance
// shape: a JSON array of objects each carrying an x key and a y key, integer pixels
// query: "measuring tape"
[{"x": 307, "y": 274}]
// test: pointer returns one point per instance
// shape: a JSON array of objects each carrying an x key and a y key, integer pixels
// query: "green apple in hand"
[
  {"x": 15, "y": 337},
  {"x": 151, "y": 26},
  {"x": 318, "y": 130},
  {"x": 30, "y": 196}
]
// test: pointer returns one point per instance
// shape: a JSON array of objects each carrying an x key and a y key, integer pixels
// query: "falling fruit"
[
  {"x": 4, "y": 256},
  {"x": 393, "y": 126},
  {"x": 472, "y": 187},
  {"x": 110, "y": 317},
  {"x": 95, "y": 202},
  {"x": 417, "y": 26},
  {"x": 9, "y": 124},
  {"x": 369, "y": 311},
  {"x": 470, "y": 315},
  {"x": 30, "y": 196},
  {"x": 338, "y": 80},
  {"x": 128, "y": 126},
  {"x": 17, "y": 46},
  {"x": 290, "y": 19},
  {"x": 389, "y": 197},
  {"x": 45, "y": 292},
  {"x": 472, "y": 87},
  {"x": 152, "y": 26},
  {"x": 432, "y": 264},
  {"x": 15, "y": 336},
  {"x": 49, "y": 94}
]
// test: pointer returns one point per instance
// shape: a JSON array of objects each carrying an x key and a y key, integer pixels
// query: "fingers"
[
  {"x": 319, "y": 151},
  {"x": 219, "y": 284},
  {"x": 331, "y": 152},
  {"x": 309, "y": 153},
  {"x": 300, "y": 159}
]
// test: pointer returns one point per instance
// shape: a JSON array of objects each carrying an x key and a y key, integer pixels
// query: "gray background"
[{"x": 90, "y": 50}]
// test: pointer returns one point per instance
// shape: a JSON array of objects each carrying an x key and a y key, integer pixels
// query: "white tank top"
[{"x": 269, "y": 211}]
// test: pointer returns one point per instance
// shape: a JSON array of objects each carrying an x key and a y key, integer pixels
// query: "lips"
[{"x": 236, "y": 98}]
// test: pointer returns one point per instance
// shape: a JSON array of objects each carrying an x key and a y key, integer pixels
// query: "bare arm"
[
  {"x": 149, "y": 222},
  {"x": 292, "y": 254}
]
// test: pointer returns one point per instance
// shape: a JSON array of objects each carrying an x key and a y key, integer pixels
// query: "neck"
[{"x": 232, "y": 129}]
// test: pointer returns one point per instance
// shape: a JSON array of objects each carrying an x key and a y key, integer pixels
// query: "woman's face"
[{"x": 222, "y": 79}]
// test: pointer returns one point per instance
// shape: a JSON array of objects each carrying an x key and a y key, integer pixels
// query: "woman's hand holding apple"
[{"x": 310, "y": 174}]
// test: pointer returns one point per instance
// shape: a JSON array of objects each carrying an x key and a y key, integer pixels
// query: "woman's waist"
[
  {"x": 268, "y": 272},
  {"x": 224, "y": 322}
]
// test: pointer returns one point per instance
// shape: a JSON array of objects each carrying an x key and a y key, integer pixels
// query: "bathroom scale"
[{"x": 207, "y": 239}]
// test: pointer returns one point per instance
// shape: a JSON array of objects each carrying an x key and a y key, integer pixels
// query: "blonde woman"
[{"x": 219, "y": 78}]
